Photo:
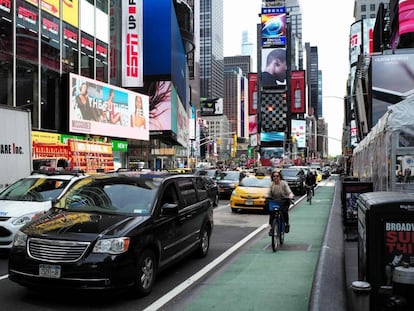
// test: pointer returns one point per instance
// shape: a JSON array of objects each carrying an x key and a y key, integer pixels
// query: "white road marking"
[{"x": 191, "y": 280}]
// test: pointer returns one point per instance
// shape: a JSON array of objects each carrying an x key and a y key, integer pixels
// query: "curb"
[{"x": 329, "y": 278}]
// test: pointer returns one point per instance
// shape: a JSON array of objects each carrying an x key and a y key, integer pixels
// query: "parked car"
[
  {"x": 30, "y": 197},
  {"x": 115, "y": 230},
  {"x": 250, "y": 193},
  {"x": 211, "y": 172},
  {"x": 227, "y": 181},
  {"x": 295, "y": 177}
]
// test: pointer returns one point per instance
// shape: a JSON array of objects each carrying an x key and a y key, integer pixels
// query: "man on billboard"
[{"x": 274, "y": 72}]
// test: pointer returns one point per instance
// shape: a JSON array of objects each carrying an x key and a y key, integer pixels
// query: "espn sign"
[{"x": 132, "y": 24}]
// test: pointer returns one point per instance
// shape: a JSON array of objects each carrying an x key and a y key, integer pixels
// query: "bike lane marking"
[{"x": 191, "y": 280}]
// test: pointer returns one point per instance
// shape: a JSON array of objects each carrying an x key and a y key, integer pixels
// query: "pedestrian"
[{"x": 279, "y": 190}]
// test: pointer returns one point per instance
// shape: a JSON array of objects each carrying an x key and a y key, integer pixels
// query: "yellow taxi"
[
  {"x": 250, "y": 194},
  {"x": 318, "y": 175}
]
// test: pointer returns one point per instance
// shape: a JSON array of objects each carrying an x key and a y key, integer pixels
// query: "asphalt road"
[{"x": 230, "y": 228}]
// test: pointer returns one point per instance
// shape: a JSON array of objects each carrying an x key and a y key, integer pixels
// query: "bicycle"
[{"x": 277, "y": 229}]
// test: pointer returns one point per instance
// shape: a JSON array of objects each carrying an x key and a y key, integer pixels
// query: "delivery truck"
[{"x": 15, "y": 145}]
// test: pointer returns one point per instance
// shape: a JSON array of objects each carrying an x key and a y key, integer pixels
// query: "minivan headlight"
[
  {"x": 112, "y": 246},
  {"x": 20, "y": 239}
]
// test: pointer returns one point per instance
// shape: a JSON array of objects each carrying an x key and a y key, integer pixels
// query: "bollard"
[{"x": 361, "y": 292}]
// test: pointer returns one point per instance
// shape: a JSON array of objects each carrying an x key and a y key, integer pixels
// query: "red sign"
[{"x": 298, "y": 91}]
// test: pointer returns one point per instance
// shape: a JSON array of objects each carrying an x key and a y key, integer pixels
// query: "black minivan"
[{"x": 114, "y": 231}]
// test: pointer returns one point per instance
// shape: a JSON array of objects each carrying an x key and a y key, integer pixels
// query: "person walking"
[{"x": 279, "y": 190}]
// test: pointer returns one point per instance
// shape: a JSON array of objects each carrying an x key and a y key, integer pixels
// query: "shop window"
[
  {"x": 6, "y": 56},
  {"x": 87, "y": 55},
  {"x": 49, "y": 102},
  {"x": 27, "y": 32},
  {"x": 27, "y": 94},
  {"x": 50, "y": 55},
  {"x": 70, "y": 49}
]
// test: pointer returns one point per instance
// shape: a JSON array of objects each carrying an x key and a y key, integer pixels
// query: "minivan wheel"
[
  {"x": 146, "y": 273},
  {"x": 204, "y": 243}
]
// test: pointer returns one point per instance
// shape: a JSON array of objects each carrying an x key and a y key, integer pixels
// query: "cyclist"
[
  {"x": 279, "y": 190},
  {"x": 310, "y": 182}
]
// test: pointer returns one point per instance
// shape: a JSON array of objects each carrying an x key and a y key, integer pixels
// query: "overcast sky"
[{"x": 326, "y": 25}]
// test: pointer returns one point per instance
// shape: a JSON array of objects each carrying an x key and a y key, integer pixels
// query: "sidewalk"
[{"x": 307, "y": 273}]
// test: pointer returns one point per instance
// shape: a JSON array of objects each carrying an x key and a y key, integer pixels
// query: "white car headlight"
[
  {"x": 24, "y": 219},
  {"x": 20, "y": 239},
  {"x": 112, "y": 246}
]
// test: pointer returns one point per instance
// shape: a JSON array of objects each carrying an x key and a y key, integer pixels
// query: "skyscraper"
[{"x": 211, "y": 48}]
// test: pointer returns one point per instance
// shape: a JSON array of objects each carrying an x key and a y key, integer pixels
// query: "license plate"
[
  {"x": 249, "y": 202},
  {"x": 221, "y": 190},
  {"x": 49, "y": 271}
]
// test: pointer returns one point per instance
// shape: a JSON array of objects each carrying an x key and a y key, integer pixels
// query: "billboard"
[
  {"x": 132, "y": 38},
  {"x": 297, "y": 95},
  {"x": 211, "y": 107},
  {"x": 405, "y": 16},
  {"x": 270, "y": 156},
  {"x": 298, "y": 130},
  {"x": 392, "y": 81},
  {"x": 253, "y": 124},
  {"x": 102, "y": 109},
  {"x": 273, "y": 68},
  {"x": 368, "y": 35},
  {"x": 252, "y": 93},
  {"x": 273, "y": 21},
  {"x": 355, "y": 42}
]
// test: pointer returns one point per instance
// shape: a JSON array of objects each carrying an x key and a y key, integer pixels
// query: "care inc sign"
[{"x": 132, "y": 30}]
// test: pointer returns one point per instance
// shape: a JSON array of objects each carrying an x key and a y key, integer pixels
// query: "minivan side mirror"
[{"x": 169, "y": 209}]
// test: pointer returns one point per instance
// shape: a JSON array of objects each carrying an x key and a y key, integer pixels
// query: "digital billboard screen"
[
  {"x": 273, "y": 68},
  {"x": 101, "y": 109}
]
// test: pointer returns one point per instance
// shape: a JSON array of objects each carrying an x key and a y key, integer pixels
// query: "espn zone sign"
[{"x": 132, "y": 24}]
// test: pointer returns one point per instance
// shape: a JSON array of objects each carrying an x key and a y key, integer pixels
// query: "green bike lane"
[{"x": 260, "y": 279}]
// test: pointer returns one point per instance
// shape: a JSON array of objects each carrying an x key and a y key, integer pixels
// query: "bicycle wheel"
[
  {"x": 281, "y": 230},
  {"x": 275, "y": 234}
]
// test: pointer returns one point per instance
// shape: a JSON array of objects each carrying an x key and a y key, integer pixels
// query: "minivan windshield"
[{"x": 118, "y": 196}]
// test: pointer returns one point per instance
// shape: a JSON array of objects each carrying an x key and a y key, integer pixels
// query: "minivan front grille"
[{"x": 56, "y": 251}]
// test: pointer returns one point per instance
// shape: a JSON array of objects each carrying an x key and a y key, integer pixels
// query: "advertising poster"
[
  {"x": 253, "y": 124},
  {"x": 132, "y": 39},
  {"x": 297, "y": 95},
  {"x": 102, "y": 109},
  {"x": 299, "y": 132},
  {"x": 273, "y": 21},
  {"x": 399, "y": 243},
  {"x": 368, "y": 35},
  {"x": 271, "y": 156},
  {"x": 252, "y": 93},
  {"x": 392, "y": 81},
  {"x": 350, "y": 193},
  {"x": 273, "y": 68},
  {"x": 355, "y": 42}
]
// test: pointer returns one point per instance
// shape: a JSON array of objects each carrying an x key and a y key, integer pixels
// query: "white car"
[{"x": 29, "y": 197}]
